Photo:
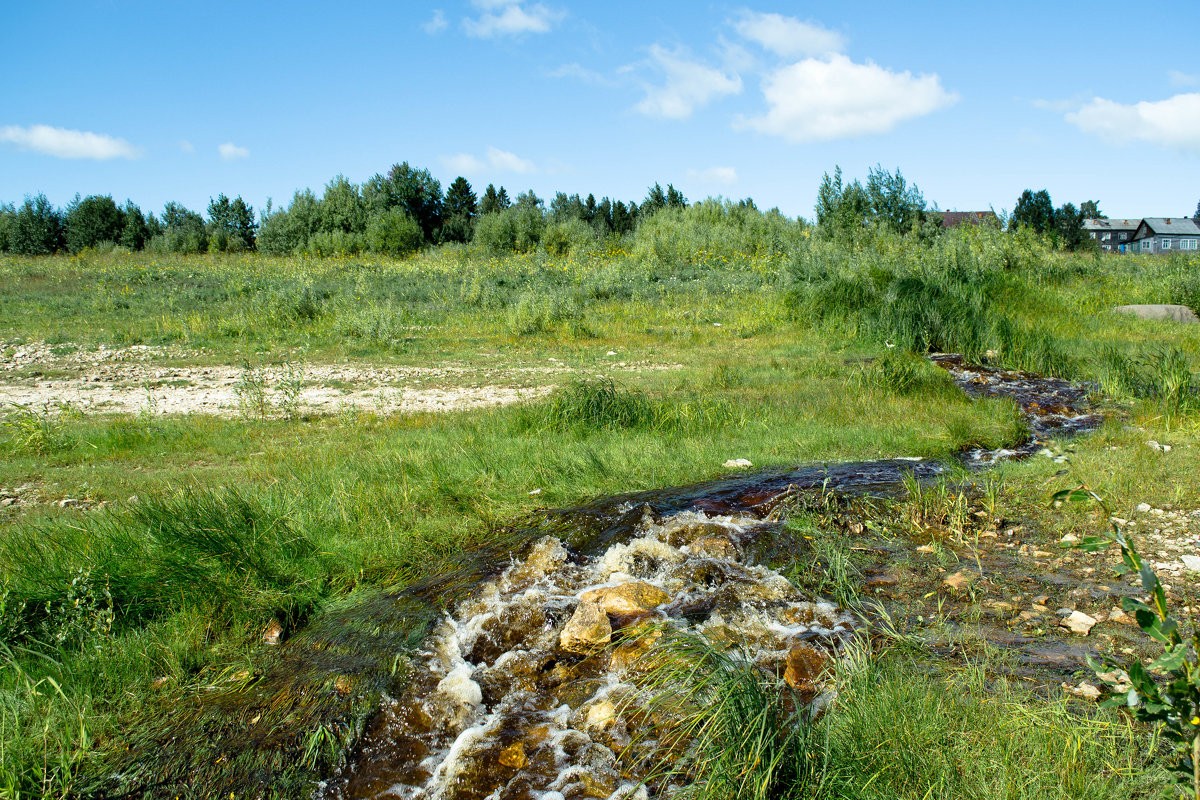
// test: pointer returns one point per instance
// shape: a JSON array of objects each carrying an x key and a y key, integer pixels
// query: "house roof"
[
  {"x": 1106, "y": 224},
  {"x": 952, "y": 218},
  {"x": 1172, "y": 225}
]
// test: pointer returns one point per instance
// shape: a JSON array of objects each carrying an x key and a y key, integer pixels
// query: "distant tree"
[
  {"x": 622, "y": 222},
  {"x": 153, "y": 227},
  {"x": 8, "y": 218},
  {"x": 342, "y": 208},
  {"x": 394, "y": 232},
  {"x": 37, "y": 228},
  {"x": 675, "y": 198},
  {"x": 1196, "y": 216},
  {"x": 502, "y": 201},
  {"x": 1033, "y": 210},
  {"x": 420, "y": 194},
  {"x": 1091, "y": 210},
  {"x": 92, "y": 220},
  {"x": 590, "y": 209},
  {"x": 183, "y": 230},
  {"x": 566, "y": 207},
  {"x": 460, "y": 209},
  {"x": 841, "y": 208},
  {"x": 892, "y": 202},
  {"x": 602, "y": 220},
  {"x": 489, "y": 204},
  {"x": 231, "y": 223},
  {"x": 288, "y": 231},
  {"x": 656, "y": 200},
  {"x": 135, "y": 232},
  {"x": 1068, "y": 225}
]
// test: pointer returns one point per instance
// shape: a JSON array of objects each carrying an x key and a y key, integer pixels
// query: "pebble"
[
  {"x": 1191, "y": 562},
  {"x": 1079, "y": 623}
]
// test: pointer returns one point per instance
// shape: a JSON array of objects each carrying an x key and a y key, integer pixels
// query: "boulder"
[
  {"x": 627, "y": 599},
  {"x": 587, "y": 629},
  {"x": 714, "y": 547},
  {"x": 1159, "y": 311},
  {"x": 804, "y": 665}
]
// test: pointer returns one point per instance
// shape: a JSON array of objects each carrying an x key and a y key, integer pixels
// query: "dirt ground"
[{"x": 143, "y": 379}]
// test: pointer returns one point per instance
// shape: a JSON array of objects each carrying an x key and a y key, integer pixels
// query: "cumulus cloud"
[
  {"x": 818, "y": 100},
  {"x": 436, "y": 24},
  {"x": 231, "y": 152},
  {"x": 510, "y": 18},
  {"x": 688, "y": 85},
  {"x": 1174, "y": 122},
  {"x": 726, "y": 175},
  {"x": 65, "y": 143},
  {"x": 495, "y": 160},
  {"x": 788, "y": 36}
]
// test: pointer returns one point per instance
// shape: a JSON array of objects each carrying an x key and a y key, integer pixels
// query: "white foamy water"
[{"x": 502, "y": 704}]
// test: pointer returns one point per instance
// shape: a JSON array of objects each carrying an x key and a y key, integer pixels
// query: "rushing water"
[{"x": 527, "y": 689}]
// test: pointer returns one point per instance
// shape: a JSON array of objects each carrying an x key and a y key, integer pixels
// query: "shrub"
[{"x": 334, "y": 243}]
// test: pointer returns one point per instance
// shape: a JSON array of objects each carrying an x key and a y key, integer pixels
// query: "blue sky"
[{"x": 973, "y": 102}]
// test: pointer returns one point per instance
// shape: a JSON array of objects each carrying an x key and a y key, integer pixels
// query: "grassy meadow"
[{"x": 711, "y": 333}]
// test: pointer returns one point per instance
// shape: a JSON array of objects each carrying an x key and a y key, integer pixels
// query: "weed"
[
  {"x": 42, "y": 431},
  {"x": 251, "y": 391},
  {"x": 290, "y": 390}
]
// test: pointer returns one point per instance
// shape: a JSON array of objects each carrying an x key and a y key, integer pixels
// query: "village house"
[
  {"x": 1165, "y": 235},
  {"x": 1113, "y": 235},
  {"x": 952, "y": 219}
]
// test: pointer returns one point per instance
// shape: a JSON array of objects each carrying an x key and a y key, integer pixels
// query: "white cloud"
[
  {"x": 495, "y": 160},
  {"x": 726, "y": 175},
  {"x": 1174, "y": 122},
  {"x": 64, "y": 143},
  {"x": 1177, "y": 78},
  {"x": 510, "y": 18},
  {"x": 817, "y": 100},
  {"x": 689, "y": 85},
  {"x": 230, "y": 151},
  {"x": 788, "y": 36},
  {"x": 186, "y": 146},
  {"x": 436, "y": 24},
  {"x": 582, "y": 74}
]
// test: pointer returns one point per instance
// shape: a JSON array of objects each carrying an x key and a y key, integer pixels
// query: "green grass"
[{"x": 742, "y": 336}]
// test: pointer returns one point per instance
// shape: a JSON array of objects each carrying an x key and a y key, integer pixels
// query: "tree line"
[{"x": 405, "y": 209}]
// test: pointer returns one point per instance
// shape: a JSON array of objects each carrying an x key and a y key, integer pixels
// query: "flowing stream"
[{"x": 528, "y": 687}]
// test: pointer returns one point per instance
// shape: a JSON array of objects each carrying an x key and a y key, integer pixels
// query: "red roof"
[{"x": 952, "y": 219}]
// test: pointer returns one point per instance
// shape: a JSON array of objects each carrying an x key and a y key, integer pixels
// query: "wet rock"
[
  {"x": 631, "y": 654},
  {"x": 1078, "y": 623},
  {"x": 513, "y": 756},
  {"x": 805, "y": 664},
  {"x": 274, "y": 633},
  {"x": 714, "y": 547},
  {"x": 587, "y": 629},
  {"x": 627, "y": 599}
]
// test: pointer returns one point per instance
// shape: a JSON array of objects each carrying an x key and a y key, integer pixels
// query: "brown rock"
[
  {"x": 513, "y": 755},
  {"x": 959, "y": 580},
  {"x": 804, "y": 665},
  {"x": 632, "y": 598},
  {"x": 274, "y": 633},
  {"x": 587, "y": 629},
  {"x": 629, "y": 655}
]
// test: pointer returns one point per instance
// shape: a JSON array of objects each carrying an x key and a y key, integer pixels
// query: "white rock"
[
  {"x": 1191, "y": 562},
  {"x": 1078, "y": 623},
  {"x": 1086, "y": 690},
  {"x": 1069, "y": 538},
  {"x": 737, "y": 463},
  {"x": 1142, "y": 508}
]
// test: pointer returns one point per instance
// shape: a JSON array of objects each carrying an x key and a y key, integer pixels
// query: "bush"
[
  {"x": 394, "y": 233},
  {"x": 568, "y": 237},
  {"x": 516, "y": 229},
  {"x": 334, "y": 243}
]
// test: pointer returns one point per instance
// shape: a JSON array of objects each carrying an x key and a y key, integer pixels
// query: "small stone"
[
  {"x": 274, "y": 633},
  {"x": 1142, "y": 508},
  {"x": 513, "y": 756},
  {"x": 1070, "y": 538},
  {"x": 926, "y": 549},
  {"x": 1191, "y": 562},
  {"x": 738, "y": 463},
  {"x": 1078, "y": 623},
  {"x": 587, "y": 629},
  {"x": 1086, "y": 690}
]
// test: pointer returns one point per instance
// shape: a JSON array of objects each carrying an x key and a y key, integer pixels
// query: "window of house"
[
  {"x": 1188, "y": 244},
  {"x": 1103, "y": 238},
  {"x": 1165, "y": 243},
  {"x": 1124, "y": 236}
]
